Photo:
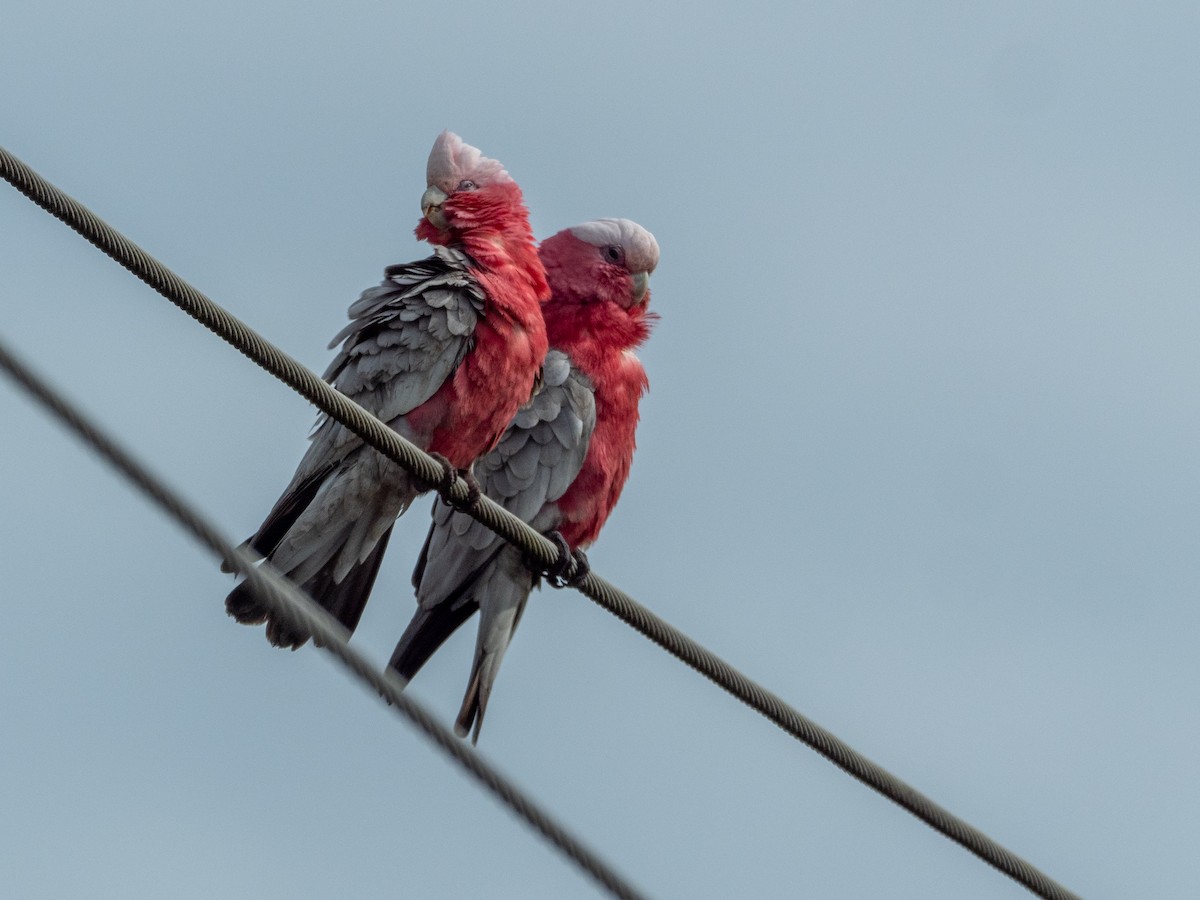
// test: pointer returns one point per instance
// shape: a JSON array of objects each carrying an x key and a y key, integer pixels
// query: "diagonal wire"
[
  {"x": 297, "y": 609},
  {"x": 390, "y": 444}
]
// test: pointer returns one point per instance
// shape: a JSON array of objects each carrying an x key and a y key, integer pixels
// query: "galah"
[
  {"x": 445, "y": 351},
  {"x": 562, "y": 462}
]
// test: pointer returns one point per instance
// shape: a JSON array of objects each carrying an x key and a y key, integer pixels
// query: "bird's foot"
[
  {"x": 445, "y": 485},
  {"x": 555, "y": 573}
]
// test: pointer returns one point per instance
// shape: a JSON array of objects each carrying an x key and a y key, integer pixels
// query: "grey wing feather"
[
  {"x": 405, "y": 337},
  {"x": 535, "y": 462}
]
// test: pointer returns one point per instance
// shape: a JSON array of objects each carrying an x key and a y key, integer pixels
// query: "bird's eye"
[
  {"x": 613, "y": 253},
  {"x": 466, "y": 185}
]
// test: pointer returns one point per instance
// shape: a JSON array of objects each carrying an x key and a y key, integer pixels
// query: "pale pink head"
[
  {"x": 453, "y": 161},
  {"x": 466, "y": 193},
  {"x": 605, "y": 259}
]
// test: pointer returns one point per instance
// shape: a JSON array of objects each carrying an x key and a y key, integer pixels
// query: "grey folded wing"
[
  {"x": 537, "y": 459},
  {"x": 405, "y": 337}
]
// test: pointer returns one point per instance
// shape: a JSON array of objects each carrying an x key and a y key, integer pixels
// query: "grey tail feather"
[
  {"x": 472, "y": 709},
  {"x": 475, "y": 700},
  {"x": 244, "y": 606},
  {"x": 283, "y": 515},
  {"x": 422, "y": 558},
  {"x": 347, "y": 600},
  {"x": 427, "y": 631},
  {"x": 344, "y": 600},
  {"x": 241, "y": 602},
  {"x": 430, "y": 627}
]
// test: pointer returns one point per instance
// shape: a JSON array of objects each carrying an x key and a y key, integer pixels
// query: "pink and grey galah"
[
  {"x": 562, "y": 462},
  {"x": 445, "y": 351}
]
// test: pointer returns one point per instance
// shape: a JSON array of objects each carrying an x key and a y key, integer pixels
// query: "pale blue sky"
[{"x": 920, "y": 451}]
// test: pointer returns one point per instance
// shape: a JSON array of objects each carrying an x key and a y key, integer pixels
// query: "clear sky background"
[{"x": 920, "y": 451}]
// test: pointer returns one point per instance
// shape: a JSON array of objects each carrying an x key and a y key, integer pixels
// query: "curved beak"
[
  {"x": 641, "y": 284},
  {"x": 431, "y": 206}
]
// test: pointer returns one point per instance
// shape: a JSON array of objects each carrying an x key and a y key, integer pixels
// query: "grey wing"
[
  {"x": 406, "y": 336},
  {"x": 535, "y": 462}
]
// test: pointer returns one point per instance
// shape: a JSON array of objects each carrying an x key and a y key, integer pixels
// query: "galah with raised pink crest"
[{"x": 445, "y": 351}]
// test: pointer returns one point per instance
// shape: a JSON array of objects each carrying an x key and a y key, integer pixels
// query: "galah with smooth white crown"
[{"x": 562, "y": 462}]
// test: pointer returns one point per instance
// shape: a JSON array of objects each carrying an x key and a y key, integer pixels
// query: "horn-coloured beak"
[
  {"x": 641, "y": 284},
  {"x": 431, "y": 206}
]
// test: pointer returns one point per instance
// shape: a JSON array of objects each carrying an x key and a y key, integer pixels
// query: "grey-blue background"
[{"x": 920, "y": 451}]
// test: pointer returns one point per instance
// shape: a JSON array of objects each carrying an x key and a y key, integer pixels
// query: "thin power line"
[
  {"x": 297, "y": 609},
  {"x": 394, "y": 447}
]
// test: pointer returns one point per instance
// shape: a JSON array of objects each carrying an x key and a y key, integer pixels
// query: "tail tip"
[
  {"x": 242, "y": 605},
  {"x": 282, "y": 635}
]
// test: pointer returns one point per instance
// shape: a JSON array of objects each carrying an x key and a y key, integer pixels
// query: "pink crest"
[{"x": 452, "y": 161}]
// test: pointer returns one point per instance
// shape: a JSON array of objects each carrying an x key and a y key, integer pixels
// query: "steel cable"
[{"x": 390, "y": 444}]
